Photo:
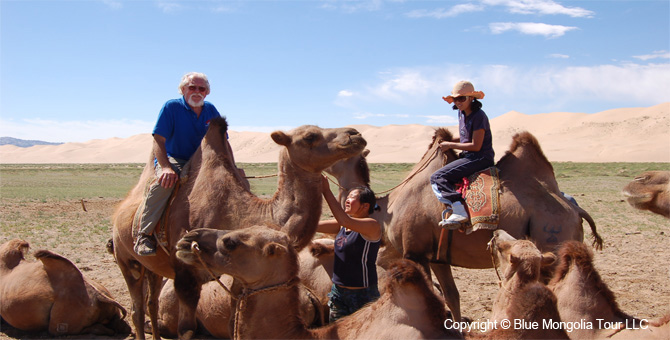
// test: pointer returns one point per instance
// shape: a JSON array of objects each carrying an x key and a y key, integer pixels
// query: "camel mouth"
[{"x": 636, "y": 199}]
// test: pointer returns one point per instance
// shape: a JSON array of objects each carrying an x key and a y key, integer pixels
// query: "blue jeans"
[
  {"x": 345, "y": 301},
  {"x": 444, "y": 180}
]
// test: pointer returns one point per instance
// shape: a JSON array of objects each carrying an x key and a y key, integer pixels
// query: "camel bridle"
[{"x": 246, "y": 292}]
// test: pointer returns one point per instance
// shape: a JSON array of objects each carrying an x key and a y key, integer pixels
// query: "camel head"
[
  {"x": 12, "y": 253},
  {"x": 650, "y": 191},
  {"x": 518, "y": 257},
  {"x": 314, "y": 149},
  {"x": 258, "y": 256}
]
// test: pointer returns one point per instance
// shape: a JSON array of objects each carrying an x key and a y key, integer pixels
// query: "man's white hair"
[{"x": 186, "y": 79}]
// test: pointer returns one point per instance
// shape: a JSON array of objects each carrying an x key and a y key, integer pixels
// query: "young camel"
[
  {"x": 521, "y": 296},
  {"x": 52, "y": 294},
  {"x": 531, "y": 206},
  {"x": 216, "y": 307},
  {"x": 267, "y": 265},
  {"x": 584, "y": 298},
  {"x": 213, "y": 195},
  {"x": 650, "y": 191}
]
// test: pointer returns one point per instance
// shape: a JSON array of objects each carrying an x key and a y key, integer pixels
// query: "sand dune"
[{"x": 619, "y": 135}]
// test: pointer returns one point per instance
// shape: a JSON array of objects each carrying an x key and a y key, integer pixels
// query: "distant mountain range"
[{"x": 22, "y": 143}]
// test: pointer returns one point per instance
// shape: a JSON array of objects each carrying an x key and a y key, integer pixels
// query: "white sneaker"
[{"x": 458, "y": 216}]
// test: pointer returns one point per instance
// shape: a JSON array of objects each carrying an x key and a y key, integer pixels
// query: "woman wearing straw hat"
[{"x": 476, "y": 143}]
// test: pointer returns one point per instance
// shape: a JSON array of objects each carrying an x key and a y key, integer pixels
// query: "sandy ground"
[
  {"x": 634, "y": 262},
  {"x": 639, "y": 134}
]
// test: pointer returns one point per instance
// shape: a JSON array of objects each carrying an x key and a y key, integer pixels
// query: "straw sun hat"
[{"x": 463, "y": 88}]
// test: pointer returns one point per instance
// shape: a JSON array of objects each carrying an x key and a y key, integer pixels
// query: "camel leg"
[
  {"x": 154, "y": 283},
  {"x": 188, "y": 288},
  {"x": 449, "y": 289},
  {"x": 133, "y": 273}
]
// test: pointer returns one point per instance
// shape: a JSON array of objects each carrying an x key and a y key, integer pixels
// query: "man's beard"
[{"x": 194, "y": 103}]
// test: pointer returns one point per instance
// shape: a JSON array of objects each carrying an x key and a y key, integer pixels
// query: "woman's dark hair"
[
  {"x": 366, "y": 195},
  {"x": 476, "y": 105}
]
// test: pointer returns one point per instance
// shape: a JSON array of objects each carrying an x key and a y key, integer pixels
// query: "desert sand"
[{"x": 640, "y": 134}]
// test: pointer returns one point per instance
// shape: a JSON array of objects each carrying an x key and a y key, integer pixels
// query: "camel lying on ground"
[
  {"x": 51, "y": 294},
  {"x": 408, "y": 308},
  {"x": 583, "y": 298},
  {"x": 214, "y": 195},
  {"x": 531, "y": 206},
  {"x": 521, "y": 296},
  {"x": 650, "y": 191},
  {"x": 216, "y": 307}
]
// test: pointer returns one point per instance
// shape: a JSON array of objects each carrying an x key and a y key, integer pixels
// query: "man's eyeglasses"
[
  {"x": 197, "y": 88},
  {"x": 459, "y": 99}
]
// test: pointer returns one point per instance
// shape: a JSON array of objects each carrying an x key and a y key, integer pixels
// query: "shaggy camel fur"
[
  {"x": 650, "y": 191},
  {"x": 532, "y": 206},
  {"x": 521, "y": 295},
  {"x": 584, "y": 298},
  {"x": 408, "y": 308},
  {"x": 214, "y": 309},
  {"x": 213, "y": 195},
  {"x": 51, "y": 294}
]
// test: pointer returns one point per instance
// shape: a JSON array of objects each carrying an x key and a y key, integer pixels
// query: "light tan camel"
[
  {"x": 214, "y": 309},
  {"x": 213, "y": 195},
  {"x": 532, "y": 206},
  {"x": 650, "y": 191},
  {"x": 522, "y": 302},
  {"x": 408, "y": 308},
  {"x": 585, "y": 299},
  {"x": 51, "y": 294}
]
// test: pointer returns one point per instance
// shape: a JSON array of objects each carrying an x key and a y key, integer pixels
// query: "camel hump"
[
  {"x": 219, "y": 122},
  {"x": 60, "y": 270},
  {"x": 13, "y": 249},
  {"x": 319, "y": 248},
  {"x": 575, "y": 250},
  {"x": 403, "y": 272}
]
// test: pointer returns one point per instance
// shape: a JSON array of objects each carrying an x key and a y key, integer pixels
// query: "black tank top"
[{"x": 355, "y": 260}]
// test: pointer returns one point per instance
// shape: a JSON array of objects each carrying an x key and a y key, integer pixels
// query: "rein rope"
[
  {"x": 421, "y": 168},
  {"x": 195, "y": 248},
  {"x": 493, "y": 260}
]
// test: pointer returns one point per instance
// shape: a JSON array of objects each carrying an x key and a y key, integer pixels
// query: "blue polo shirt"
[{"x": 182, "y": 128}]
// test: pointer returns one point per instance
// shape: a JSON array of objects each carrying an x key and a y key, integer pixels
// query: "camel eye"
[{"x": 230, "y": 244}]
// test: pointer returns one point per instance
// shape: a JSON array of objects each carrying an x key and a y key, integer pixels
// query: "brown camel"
[
  {"x": 522, "y": 303},
  {"x": 51, "y": 294},
  {"x": 532, "y": 205},
  {"x": 214, "y": 309},
  {"x": 650, "y": 191},
  {"x": 408, "y": 308},
  {"x": 213, "y": 195},
  {"x": 585, "y": 299}
]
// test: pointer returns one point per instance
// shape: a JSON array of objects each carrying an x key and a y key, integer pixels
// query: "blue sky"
[{"x": 72, "y": 71}]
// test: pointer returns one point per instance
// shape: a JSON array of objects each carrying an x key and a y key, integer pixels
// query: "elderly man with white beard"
[{"x": 181, "y": 125}]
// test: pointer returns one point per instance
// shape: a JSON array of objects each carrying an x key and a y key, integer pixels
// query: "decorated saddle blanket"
[{"x": 481, "y": 192}]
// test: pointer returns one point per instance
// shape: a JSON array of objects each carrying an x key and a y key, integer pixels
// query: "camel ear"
[
  {"x": 365, "y": 152},
  {"x": 548, "y": 259},
  {"x": 273, "y": 249},
  {"x": 281, "y": 138}
]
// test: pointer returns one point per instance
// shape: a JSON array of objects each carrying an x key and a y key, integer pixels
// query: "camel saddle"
[{"x": 481, "y": 192}]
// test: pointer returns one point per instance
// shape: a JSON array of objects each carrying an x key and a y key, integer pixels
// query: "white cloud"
[
  {"x": 441, "y": 120},
  {"x": 540, "y": 7},
  {"x": 531, "y": 28},
  {"x": 517, "y": 86},
  {"x": 113, "y": 4},
  {"x": 654, "y": 55},
  {"x": 72, "y": 131},
  {"x": 169, "y": 6},
  {"x": 445, "y": 13},
  {"x": 353, "y": 6},
  {"x": 345, "y": 93},
  {"x": 559, "y": 56}
]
